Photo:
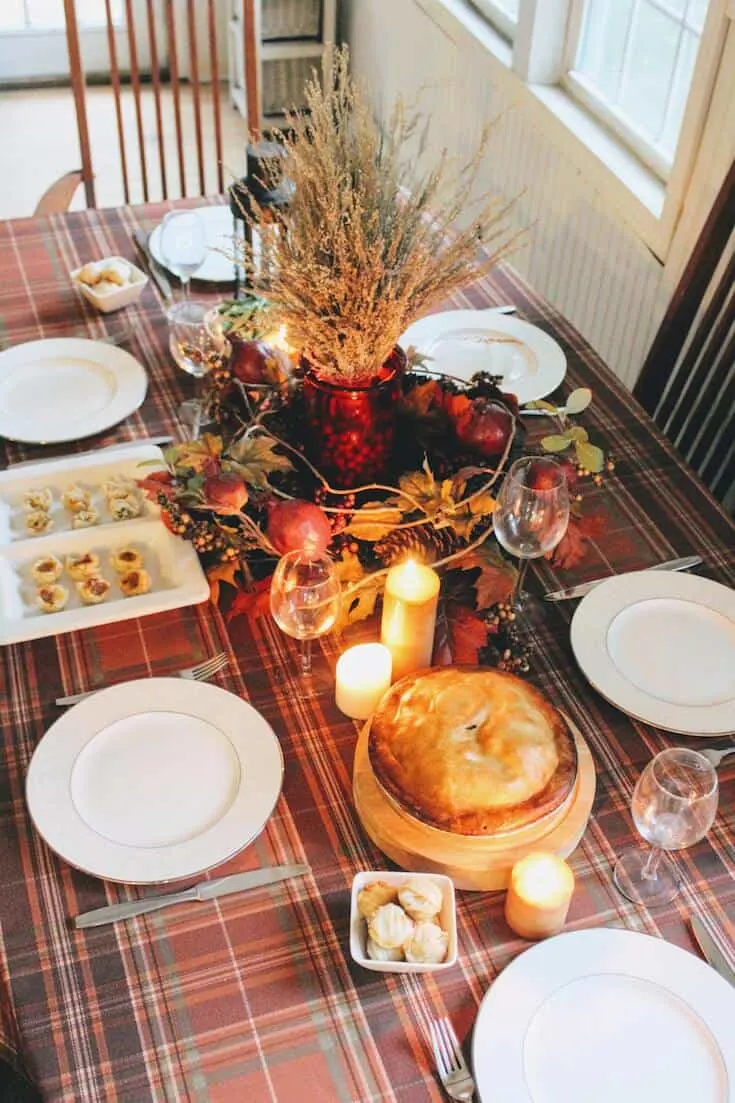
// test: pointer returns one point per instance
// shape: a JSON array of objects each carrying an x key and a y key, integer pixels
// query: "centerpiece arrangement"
[{"x": 347, "y": 443}]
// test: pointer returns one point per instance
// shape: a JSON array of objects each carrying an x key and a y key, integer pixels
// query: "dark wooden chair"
[{"x": 687, "y": 383}]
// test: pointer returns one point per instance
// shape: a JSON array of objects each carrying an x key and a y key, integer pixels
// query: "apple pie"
[{"x": 472, "y": 751}]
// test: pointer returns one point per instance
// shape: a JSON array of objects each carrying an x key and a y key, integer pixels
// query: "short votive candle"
[
  {"x": 363, "y": 676},
  {"x": 539, "y": 894},
  {"x": 409, "y": 616}
]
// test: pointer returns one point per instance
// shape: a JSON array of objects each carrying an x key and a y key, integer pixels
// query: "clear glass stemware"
[
  {"x": 674, "y": 805},
  {"x": 183, "y": 245},
  {"x": 531, "y": 514},
  {"x": 305, "y": 602},
  {"x": 196, "y": 345}
]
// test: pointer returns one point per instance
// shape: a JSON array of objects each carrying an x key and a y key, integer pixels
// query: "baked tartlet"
[
  {"x": 40, "y": 498},
  {"x": 124, "y": 507},
  {"x": 126, "y": 559},
  {"x": 52, "y": 599},
  {"x": 93, "y": 590},
  {"x": 75, "y": 499},
  {"x": 135, "y": 582},
  {"x": 85, "y": 519},
  {"x": 119, "y": 487},
  {"x": 82, "y": 566},
  {"x": 47, "y": 570},
  {"x": 38, "y": 522},
  {"x": 472, "y": 751}
]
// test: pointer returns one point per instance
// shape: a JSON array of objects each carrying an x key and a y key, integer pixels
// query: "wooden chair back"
[
  {"x": 687, "y": 382},
  {"x": 158, "y": 178},
  {"x": 57, "y": 198}
]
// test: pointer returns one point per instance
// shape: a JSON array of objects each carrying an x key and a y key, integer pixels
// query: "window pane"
[
  {"x": 679, "y": 93},
  {"x": 649, "y": 69},
  {"x": 602, "y": 43}
]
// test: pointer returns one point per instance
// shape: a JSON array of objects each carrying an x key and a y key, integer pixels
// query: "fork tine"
[
  {"x": 209, "y": 666},
  {"x": 213, "y": 668},
  {"x": 451, "y": 1039},
  {"x": 438, "y": 1055}
]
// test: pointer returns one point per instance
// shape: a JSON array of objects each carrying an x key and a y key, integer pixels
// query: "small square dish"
[
  {"x": 446, "y": 919},
  {"x": 109, "y": 284}
]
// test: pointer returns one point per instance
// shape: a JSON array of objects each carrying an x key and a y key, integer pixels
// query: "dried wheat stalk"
[{"x": 370, "y": 245}]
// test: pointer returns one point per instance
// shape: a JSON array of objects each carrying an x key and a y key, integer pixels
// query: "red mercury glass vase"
[{"x": 351, "y": 429}]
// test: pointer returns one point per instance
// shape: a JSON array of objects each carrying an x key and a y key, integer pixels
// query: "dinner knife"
[
  {"x": 585, "y": 587},
  {"x": 117, "y": 447},
  {"x": 713, "y": 952},
  {"x": 205, "y": 890},
  {"x": 159, "y": 277}
]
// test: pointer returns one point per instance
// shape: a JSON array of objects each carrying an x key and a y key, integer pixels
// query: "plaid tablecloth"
[{"x": 255, "y": 997}]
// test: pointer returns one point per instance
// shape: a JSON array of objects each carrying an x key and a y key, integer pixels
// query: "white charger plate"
[
  {"x": 154, "y": 780},
  {"x": 462, "y": 342},
  {"x": 661, "y": 646},
  {"x": 218, "y": 233},
  {"x": 606, "y": 1015},
  {"x": 66, "y": 388}
]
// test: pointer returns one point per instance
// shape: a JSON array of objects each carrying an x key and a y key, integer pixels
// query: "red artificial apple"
[
  {"x": 255, "y": 362},
  {"x": 226, "y": 491},
  {"x": 485, "y": 427},
  {"x": 295, "y": 525}
]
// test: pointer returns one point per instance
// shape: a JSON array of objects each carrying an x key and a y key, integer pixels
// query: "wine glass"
[
  {"x": 531, "y": 514},
  {"x": 197, "y": 345},
  {"x": 674, "y": 805},
  {"x": 305, "y": 601},
  {"x": 183, "y": 245}
]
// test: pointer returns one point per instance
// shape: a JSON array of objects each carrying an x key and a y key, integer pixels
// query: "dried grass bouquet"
[{"x": 370, "y": 244}]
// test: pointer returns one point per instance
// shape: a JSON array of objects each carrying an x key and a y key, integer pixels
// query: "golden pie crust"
[{"x": 472, "y": 751}]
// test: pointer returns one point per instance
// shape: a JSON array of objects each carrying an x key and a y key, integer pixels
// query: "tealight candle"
[
  {"x": 540, "y": 890},
  {"x": 409, "y": 616},
  {"x": 363, "y": 676}
]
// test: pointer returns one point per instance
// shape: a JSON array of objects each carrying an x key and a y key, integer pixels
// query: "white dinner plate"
[
  {"x": 154, "y": 780},
  {"x": 462, "y": 342},
  {"x": 661, "y": 646},
  {"x": 65, "y": 388},
  {"x": 218, "y": 234},
  {"x": 609, "y": 1016}
]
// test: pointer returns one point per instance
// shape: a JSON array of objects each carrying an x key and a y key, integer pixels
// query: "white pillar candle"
[
  {"x": 539, "y": 894},
  {"x": 409, "y": 616},
  {"x": 363, "y": 676}
]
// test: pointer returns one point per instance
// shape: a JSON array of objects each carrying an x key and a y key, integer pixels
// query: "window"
[
  {"x": 632, "y": 64},
  {"x": 503, "y": 14}
]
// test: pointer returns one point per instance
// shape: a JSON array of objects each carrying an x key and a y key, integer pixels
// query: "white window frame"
[
  {"x": 499, "y": 18},
  {"x": 532, "y": 69}
]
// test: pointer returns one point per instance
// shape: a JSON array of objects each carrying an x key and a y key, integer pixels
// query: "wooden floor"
[{"x": 39, "y": 143}]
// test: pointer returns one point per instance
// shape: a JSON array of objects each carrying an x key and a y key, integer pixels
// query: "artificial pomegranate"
[
  {"x": 226, "y": 491},
  {"x": 544, "y": 474},
  {"x": 295, "y": 525},
  {"x": 485, "y": 427},
  {"x": 255, "y": 362}
]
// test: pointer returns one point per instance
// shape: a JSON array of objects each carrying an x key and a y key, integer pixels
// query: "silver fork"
[
  {"x": 451, "y": 1065},
  {"x": 202, "y": 672},
  {"x": 715, "y": 756}
]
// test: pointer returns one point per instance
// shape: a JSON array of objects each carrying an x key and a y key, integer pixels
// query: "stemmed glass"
[
  {"x": 183, "y": 245},
  {"x": 531, "y": 514},
  {"x": 197, "y": 345},
  {"x": 674, "y": 805},
  {"x": 305, "y": 602}
]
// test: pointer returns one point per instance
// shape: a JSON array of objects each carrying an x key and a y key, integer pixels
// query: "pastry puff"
[
  {"x": 85, "y": 518},
  {"x": 93, "y": 590},
  {"x": 126, "y": 559},
  {"x": 38, "y": 498},
  {"x": 124, "y": 507},
  {"x": 52, "y": 599},
  {"x": 135, "y": 582},
  {"x": 38, "y": 522},
  {"x": 82, "y": 566},
  {"x": 46, "y": 571},
  {"x": 75, "y": 499}
]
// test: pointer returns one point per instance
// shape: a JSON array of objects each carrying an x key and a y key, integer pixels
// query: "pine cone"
[{"x": 424, "y": 542}]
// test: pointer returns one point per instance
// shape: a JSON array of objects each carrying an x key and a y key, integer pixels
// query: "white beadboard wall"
[{"x": 581, "y": 254}]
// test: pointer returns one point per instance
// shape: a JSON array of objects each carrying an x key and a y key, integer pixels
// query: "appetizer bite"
[
  {"x": 93, "y": 590},
  {"x": 52, "y": 599},
  {"x": 135, "y": 582},
  {"x": 38, "y": 522},
  {"x": 125, "y": 507},
  {"x": 105, "y": 275},
  {"x": 403, "y": 921},
  {"x": 120, "y": 486},
  {"x": 85, "y": 518},
  {"x": 82, "y": 566},
  {"x": 47, "y": 570},
  {"x": 38, "y": 499},
  {"x": 126, "y": 559},
  {"x": 76, "y": 500}
]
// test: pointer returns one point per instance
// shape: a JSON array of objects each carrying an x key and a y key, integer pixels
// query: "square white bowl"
[
  {"x": 118, "y": 297},
  {"x": 358, "y": 926}
]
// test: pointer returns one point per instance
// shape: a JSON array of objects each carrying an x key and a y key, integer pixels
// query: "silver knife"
[
  {"x": 159, "y": 277},
  {"x": 585, "y": 587},
  {"x": 205, "y": 890},
  {"x": 714, "y": 954},
  {"x": 118, "y": 447}
]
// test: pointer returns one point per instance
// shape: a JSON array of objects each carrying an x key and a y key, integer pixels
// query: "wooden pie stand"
[{"x": 473, "y": 862}]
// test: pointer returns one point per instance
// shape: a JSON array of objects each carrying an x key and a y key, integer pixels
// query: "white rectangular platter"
[{"x": 177, "y": 578}]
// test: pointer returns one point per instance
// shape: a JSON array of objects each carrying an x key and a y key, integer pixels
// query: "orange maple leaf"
[
  {"x": 253, "y": 603},
  {"x": 572, "y": 548}
]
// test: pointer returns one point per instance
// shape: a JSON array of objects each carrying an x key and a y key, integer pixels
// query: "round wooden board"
[{"x": 475, "y": 863}]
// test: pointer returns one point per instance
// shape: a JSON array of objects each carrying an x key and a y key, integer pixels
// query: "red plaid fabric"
[{"x": 255, "y": 997}]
